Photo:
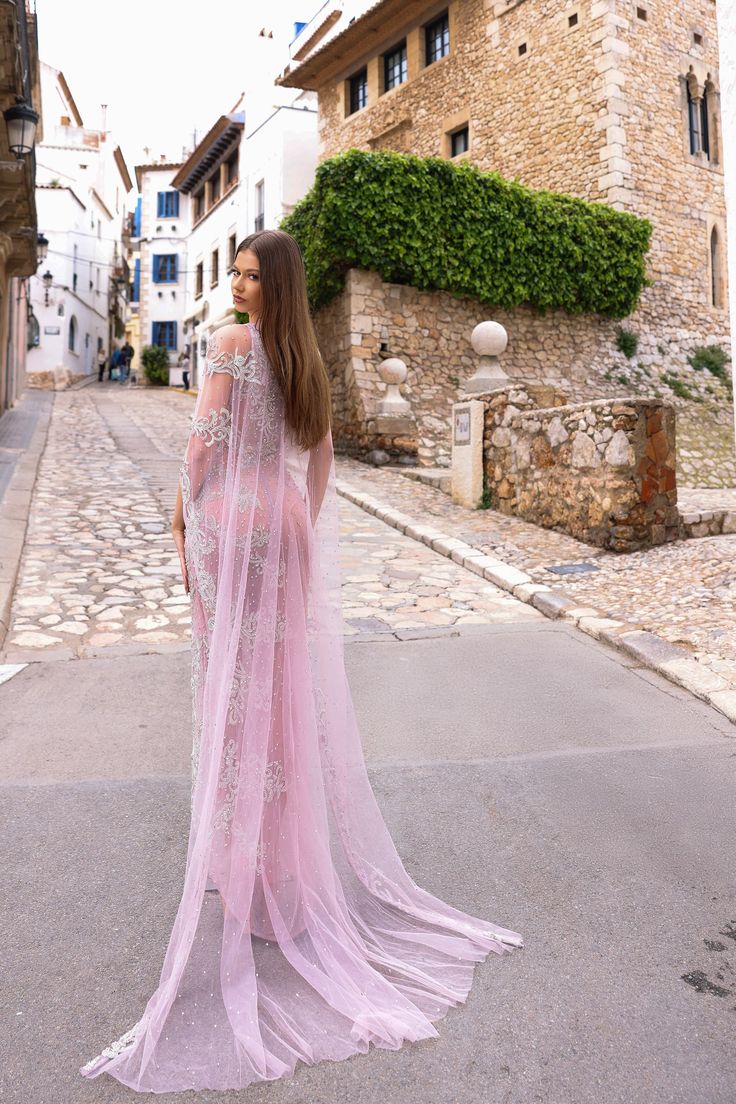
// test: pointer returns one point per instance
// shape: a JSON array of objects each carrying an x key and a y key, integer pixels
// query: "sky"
[{"x": 162, "y": 73}]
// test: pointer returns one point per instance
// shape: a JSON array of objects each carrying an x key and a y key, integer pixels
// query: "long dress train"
[{"x": 324, "y": 944}]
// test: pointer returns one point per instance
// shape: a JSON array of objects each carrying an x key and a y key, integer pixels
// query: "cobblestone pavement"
[
  {"x": 685, "y": 591},
  {"x": 100, "y": 571}
]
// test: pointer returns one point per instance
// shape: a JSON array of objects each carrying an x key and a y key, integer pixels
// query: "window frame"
[
  {"x": 169, "y": 330},
  {"x": 215, "y": 267},
  {"x": 170, "y": 270},
  {"x": 362, "y": 75},
  {"x": 399, "y": 48},
  {"x": 444, "y": 18},
  {"x": 453, "y": 135},
  {"x": 233, "y": 174},
  {"x": 259, "y": 204},
  {"x": 199, "y": 280},
  {"x": 166, "y": 199}
]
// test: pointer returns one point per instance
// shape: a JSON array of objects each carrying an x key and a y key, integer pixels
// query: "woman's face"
[{"x": 246, "y": 284}]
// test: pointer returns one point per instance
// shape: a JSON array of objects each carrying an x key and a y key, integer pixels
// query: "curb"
[
  {"x": 14, "y": 510},
  {"x": 673, "y": 663}
]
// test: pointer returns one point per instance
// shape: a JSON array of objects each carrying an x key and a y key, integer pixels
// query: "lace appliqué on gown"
[
  {"x": 115, "y": 1048},
  {"x": 213, "y": 427}
]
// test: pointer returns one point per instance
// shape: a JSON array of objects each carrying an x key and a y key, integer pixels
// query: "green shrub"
[
  {"x": 436, "y": 225},
  {"x": 486, "y": 498},
  {"x": 627, "y": 341},
  {"x": 241, "y": 317},
  {"x": 155, "y": 360},
  {"x": 677, "y": 386},
  {"x": 712, "y": 357}
]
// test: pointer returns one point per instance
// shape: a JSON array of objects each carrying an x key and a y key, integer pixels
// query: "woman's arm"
[
  {"x": 318, "y": 474},
  {"x": 177, "y": 529}
]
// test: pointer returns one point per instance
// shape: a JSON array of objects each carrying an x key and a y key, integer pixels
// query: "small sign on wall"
[
  {"x": 462, "y": 425},
  {"x": 52, "y": 330}
]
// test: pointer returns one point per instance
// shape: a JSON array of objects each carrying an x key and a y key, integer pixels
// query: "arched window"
[
  {"x": 704, "y": 128},
  {"x": 715, "y": 268},
  {"x": 72, "y": 334},
  {"x": 694, "y": 108}
]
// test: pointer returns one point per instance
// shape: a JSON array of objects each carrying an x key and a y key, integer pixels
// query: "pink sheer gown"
[{"x": 317, "y": 942}]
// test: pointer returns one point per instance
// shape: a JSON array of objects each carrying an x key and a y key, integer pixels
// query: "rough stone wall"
[
  {"x": 523, "y": 110},
  {"x": 431, "y": 331},
  {"x": 58, "y": 380},
  {"x": 681, "y": 193},
  {"x": 602, "y": 471},
  {"x": 593, "y": 108}
]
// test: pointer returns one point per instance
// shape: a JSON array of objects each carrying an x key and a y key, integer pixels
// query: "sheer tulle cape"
[{"x": 317, "y": 943}]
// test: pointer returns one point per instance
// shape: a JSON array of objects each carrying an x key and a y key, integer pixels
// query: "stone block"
[
  {"x": 552, "y": 603},
  {"x": 506, "y": 576}
]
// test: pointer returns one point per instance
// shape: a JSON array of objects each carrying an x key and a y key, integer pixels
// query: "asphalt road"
[{"x": 527, "y": 773}]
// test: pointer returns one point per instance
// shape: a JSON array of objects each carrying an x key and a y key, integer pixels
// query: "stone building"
[
  {"x": 82, "y": 185},
  {"x": 19, "y": 80},
  {"x": 614, "y": 101}
]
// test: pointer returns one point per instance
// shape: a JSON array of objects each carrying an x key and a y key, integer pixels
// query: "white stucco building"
[
  {"x": 81, "y": 194},
  {"x": 162, "y": 274},
  {"x": 245, "y": 175}
]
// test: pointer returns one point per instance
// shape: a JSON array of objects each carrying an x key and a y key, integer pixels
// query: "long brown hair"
[{"x": 288, "y": 334}]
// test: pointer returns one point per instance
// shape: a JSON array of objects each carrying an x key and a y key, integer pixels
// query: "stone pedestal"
[{"x": 467, "y": 452}]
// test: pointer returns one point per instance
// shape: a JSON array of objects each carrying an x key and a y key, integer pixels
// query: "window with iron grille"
[
  {"x": 358, "y": 90},
  {"x": 231, "y": 245},
  {"x": 164, "y": 334},
  {"x": 394, "y": 66},
  {"x": 459, "y": 141},
  {"x": 437, "y": 39},
  {"x": 199, "y": 280},
  {"x": 215, "y": 268},
  {"x": 198, "y": 205}
]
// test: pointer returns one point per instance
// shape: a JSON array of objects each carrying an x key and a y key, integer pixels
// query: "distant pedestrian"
[
  {"x": 101, "y": 362},
  {"x": 184, "y": 362},
  {"x": 115, "y": 363},
  {"x": 126, "y": 356}
]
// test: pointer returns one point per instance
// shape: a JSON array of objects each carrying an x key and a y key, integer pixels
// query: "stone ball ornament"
[
  {"x": 392, "y": 370},
  {"x": 489, "y": 339}
]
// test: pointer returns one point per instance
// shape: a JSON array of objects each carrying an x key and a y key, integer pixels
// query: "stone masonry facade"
[
  {"x": 430, "y": 332},
  {"x": 603, "y": 471},
  {"x": 588, "y": 97}
]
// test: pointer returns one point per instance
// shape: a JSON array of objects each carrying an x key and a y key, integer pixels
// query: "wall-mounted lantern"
[
  {"x": 42, "y": 248},
  {"x": 48, "y": 280},
  {"x": 21, "y": 121}
]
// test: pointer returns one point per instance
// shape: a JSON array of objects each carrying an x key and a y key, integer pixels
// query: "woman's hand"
[{"x": 178, "y": 534}]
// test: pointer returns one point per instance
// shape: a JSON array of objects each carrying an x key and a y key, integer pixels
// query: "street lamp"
[
  {"x": 21, "y": 121},
  {"x": 48, "y": 280},
  {"x": 42, "y": 248}
]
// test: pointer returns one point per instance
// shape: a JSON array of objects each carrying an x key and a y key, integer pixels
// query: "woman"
[{"x": 323, "y": 943}]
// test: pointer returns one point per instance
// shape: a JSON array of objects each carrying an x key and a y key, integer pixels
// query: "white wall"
[
  {"x": 81, "y": 201},
  {"x": 162, "y": 302},
  {"x": 282, "y": 152},
  {"x": 68, "y": 223}
]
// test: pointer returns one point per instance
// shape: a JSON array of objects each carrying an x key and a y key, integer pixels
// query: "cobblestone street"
[
  {"x": 100, "y": 571},
  {"x": 684, "y": 591}
]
